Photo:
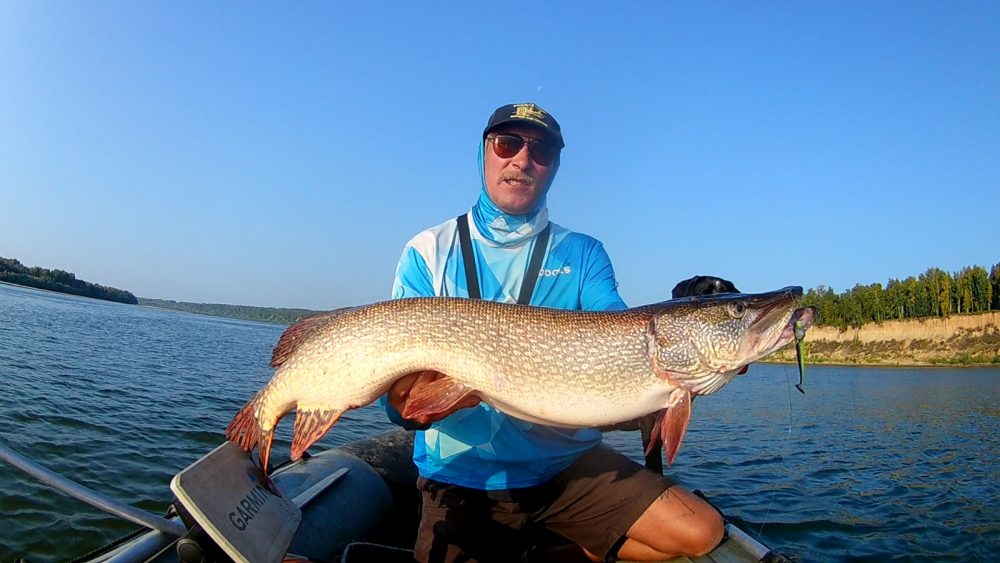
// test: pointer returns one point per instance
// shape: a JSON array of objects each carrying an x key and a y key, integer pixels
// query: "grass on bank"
[{"x": 967, "y": 360}]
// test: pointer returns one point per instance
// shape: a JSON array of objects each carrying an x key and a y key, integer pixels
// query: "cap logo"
[{"x": 530, "y": 112}]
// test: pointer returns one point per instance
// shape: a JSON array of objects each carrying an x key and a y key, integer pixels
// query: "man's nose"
[{"x": 522, "y": 159}]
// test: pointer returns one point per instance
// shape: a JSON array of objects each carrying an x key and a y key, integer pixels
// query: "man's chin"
[{"x": 518, "y": 205}]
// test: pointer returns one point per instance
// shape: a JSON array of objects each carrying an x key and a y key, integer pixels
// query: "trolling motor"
[{"x": 198, "y": 547}]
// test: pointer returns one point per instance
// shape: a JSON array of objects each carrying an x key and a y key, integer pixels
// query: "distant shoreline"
[
  {"x": 810, "y": 364},
  {"x": 31, "y": 287},
  {"x": 274, "y": 315},
  {"x": 967, "y": 340},
  {"x": 14, "y": 272}
]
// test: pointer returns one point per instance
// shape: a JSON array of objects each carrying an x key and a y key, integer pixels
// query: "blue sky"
[{"x": 281, "y": 154}]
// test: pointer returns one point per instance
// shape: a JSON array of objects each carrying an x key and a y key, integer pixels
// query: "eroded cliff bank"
[{"x": 957, "y": 339}]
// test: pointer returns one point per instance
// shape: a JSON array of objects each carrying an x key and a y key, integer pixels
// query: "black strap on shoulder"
[
  {"x": 469, "y": 261},
  {"x": 468, "y": 258},
  {"x": 534, "y": 267}
]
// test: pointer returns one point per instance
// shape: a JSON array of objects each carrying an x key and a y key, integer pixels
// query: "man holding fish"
[
  {"x": 492, "y": 483},
  {"x": 506, "y": 395}
]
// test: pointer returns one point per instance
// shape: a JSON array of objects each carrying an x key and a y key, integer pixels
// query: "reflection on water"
[{"x": 869, "y": 464}]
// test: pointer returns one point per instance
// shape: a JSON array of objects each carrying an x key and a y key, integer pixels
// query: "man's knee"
[
  {"x": 679, "y": 523},
  {"x": 701, "y": 534},
  {"x": 706, "y": 533}
]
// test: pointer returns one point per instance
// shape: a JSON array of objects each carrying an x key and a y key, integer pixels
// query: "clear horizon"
[{"x": 282, "y": 156}]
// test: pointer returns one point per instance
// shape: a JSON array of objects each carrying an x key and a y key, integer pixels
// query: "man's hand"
[{"x": 399, "y": 395}]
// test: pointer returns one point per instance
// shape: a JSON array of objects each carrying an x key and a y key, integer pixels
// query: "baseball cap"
[{"x": 526, "y": 114}]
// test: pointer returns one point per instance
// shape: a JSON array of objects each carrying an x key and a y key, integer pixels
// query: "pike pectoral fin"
[
  {"x": 674, "y": 423},
  {"x": 311, "y": 423},
  {"x": 435, "y": 397}
]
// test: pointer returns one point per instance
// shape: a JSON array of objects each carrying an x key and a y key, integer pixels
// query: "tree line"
[
  {"x": 12, "y": 271},
  {"x": 934, "y": 293},
  {"x": 244, "y": 312}
]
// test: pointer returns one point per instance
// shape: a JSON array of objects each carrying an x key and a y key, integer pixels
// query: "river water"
[{"x": 869, "y": 465}]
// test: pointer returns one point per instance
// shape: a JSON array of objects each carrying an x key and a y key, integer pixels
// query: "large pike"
[{"x": 573, "y": 369}]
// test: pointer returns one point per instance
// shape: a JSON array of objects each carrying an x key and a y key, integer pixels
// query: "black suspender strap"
[
  {"x": 534, "y": 267},
  {"x": 468, "y": 258},
  {"x": 469, "y": 261}
]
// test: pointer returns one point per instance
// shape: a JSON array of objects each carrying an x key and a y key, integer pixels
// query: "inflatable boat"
[{"x": 352, "y": 504}]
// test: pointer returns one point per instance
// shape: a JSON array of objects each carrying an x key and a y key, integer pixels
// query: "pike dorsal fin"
[{"x": 298, "y": 332}]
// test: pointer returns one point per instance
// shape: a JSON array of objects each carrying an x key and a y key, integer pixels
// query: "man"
[{"x": 490, "y": 482}]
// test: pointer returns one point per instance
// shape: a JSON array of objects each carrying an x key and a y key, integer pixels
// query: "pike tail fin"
[
  {"x": 245, "y": 431},
  {"x": 311, "y": 423}
]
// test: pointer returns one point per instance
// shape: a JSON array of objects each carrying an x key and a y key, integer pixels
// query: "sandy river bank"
[{"x": 957, "y": 339}]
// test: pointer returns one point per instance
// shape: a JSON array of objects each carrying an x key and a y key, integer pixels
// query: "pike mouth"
[
  {"x": 775, "y": 306},
  {"x": 779, "y": 315},
  {"x": 805, "y": 315}
]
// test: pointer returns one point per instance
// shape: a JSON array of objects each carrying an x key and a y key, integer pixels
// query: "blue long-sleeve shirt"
[{"x": 481, "y": 447}]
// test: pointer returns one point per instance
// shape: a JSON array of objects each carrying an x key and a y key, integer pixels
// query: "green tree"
[
  {"x": 895, "y": 299},
  {"x": 995, "y": 283},
  {"x": 944, "y": 292},
  {"x": 982, "y": 291},
  {"x": 927, "y": 302},
  {"x": 851, "y": 304},
  {"x": 962, "y": 290},
  {"x": 910, "y": 291}
]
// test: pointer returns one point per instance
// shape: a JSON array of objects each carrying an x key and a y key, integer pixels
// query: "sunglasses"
[{"x": 507, "y": 145}]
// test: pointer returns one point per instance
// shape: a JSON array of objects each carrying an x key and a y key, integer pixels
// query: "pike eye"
[{"x": 737, "y": 310}]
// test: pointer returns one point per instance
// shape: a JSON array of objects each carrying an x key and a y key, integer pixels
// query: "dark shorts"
[{"x": 593, "y": 503}]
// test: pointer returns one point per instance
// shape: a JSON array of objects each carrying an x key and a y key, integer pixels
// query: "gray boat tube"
[{"x": 91, "y": 497}]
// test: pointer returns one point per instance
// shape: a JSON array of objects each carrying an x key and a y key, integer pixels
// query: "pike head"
[
  {"x": 698, "y": 344},
  {"x": 701, "y": 343}
]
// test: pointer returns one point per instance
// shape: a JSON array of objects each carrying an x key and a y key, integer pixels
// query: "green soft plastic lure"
[{"x": 800, "y": 354}]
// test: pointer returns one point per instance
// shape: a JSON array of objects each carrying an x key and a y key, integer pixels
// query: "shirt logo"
[{"x": 556, "y": 272}]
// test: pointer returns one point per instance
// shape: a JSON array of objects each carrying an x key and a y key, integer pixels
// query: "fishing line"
[{"x": 784, "y": 450}]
